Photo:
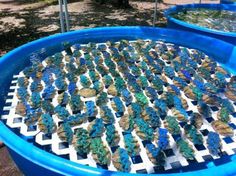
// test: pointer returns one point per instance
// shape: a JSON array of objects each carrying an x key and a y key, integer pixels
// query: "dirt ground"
[
  {"x": 22, "y": 21},
  {"x": 7, "y": 166}
]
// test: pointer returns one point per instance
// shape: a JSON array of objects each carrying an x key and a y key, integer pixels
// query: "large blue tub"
[
  {"x": 228, "y": 2},
  {"x": 178, "y": 24},
  {"x": 34, "y": 161}
]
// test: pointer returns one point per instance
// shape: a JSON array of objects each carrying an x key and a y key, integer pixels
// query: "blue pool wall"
[
  {"x": 227, "y": 2},
  {"x": 34, "y": 161},
  {"x": 181, "y": 25}
]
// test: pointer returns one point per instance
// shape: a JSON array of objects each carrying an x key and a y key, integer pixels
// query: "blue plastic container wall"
[
  {"x": 228, "y": 2},
  {"x": 34, "y": 161},
  {"x": 178, "y": 24}
]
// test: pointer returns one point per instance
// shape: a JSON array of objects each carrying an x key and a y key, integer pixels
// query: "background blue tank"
[
  {"x": 228, "y": 2},
  {"x": 178, "y": 24},
  {"x": 33, "y": 161}
]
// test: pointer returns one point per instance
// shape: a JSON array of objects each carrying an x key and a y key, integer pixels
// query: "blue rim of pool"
[
  {"x": 222, "y": 51},
  {"x": 227, "y": 2},
  {"x": 178, "y": 8}
]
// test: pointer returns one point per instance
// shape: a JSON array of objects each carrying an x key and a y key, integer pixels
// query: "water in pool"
[
  {"x": 221, "y": 20},
  {"x": 133, "y": 106}
]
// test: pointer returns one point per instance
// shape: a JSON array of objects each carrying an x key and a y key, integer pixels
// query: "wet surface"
[{"x": 222, "y": 20}]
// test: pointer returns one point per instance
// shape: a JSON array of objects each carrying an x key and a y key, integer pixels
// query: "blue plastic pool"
[
  {"x": 178, "y": 24},
  {"x": 34, "y": 161},
  {"x": 228, "y": 2}
]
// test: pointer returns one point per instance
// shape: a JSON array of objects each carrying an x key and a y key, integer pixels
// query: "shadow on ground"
[
  {"x": 13, "y": 36},
  {"x": 107, "y": 15},
  {"x": 22, "y": 2},
  {"x": 36, "y": 25}
]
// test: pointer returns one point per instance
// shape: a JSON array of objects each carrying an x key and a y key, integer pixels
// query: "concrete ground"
[{"x": 22, "y": 21}]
